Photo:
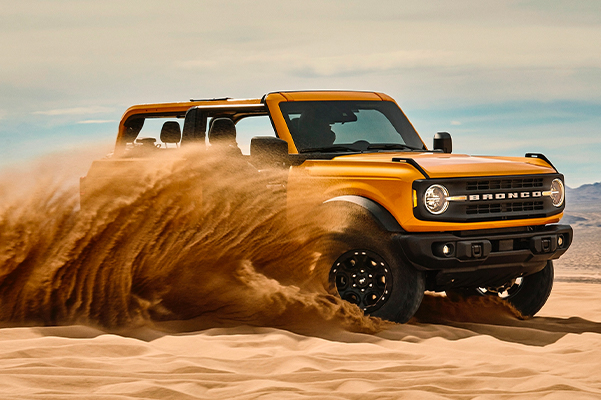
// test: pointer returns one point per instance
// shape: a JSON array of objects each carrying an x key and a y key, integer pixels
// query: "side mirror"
[
  {"x": 442, "y": 141},
  {"x": 268, "y": 151}
]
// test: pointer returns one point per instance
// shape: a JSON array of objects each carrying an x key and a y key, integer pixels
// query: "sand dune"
[{"x": 450, "y": 350}]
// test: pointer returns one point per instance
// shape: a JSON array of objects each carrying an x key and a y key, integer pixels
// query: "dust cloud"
[{"x": 201, "y": 238}]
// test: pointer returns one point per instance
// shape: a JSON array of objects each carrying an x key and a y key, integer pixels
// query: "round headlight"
[
  {"x": 557, "y": 192},
  {"x": 435, "y": 199}
]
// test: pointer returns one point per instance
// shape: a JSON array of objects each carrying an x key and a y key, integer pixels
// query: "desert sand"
[
  {"x": 450, "y": 350},
  {"x": 150, "y": 298}
]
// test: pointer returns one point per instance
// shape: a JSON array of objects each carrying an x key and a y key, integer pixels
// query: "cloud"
[
  {"x": 477, "y": 50},
  {"x": 197, "y": 64},
  {"x": 75, "y": 111},
  {"x": 97, "y": 121}
]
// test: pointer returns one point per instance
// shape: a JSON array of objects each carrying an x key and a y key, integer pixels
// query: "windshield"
[{"x": 349, "y": 125}]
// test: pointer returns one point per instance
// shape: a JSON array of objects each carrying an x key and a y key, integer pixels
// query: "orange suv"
[{"x": 426, "y": 219}]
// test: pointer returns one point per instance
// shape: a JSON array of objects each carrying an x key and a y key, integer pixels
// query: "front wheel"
[{"x": 365, "y": 272}]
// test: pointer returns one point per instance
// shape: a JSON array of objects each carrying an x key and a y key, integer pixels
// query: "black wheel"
[
  {"x": 363, "y": 278},
  {"x": 364, "y": 271},
  {"x": 526, "y": 294},
  {"x": 530, "y": 294}
]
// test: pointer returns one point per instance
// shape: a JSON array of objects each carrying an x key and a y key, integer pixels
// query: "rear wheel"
[
  {"x": 530, "y": 294},
  {"x": 526, "y": 294},
  {"x": 364, "y": 271}
]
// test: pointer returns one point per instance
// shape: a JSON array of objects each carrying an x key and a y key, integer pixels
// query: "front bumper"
[{"x": 483, "y": 256}]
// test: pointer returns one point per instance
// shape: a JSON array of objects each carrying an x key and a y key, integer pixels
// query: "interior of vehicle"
[{"x": 214, "y": 126}]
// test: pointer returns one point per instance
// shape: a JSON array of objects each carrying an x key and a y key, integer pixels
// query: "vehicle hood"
[{"x": 444, "y": 165}]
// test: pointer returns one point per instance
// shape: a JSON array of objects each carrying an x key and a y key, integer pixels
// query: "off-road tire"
[
  {"x": 533, "y": 292},
  {"x": 527, "y": 297},
  {"x": 350, "y": 253}
]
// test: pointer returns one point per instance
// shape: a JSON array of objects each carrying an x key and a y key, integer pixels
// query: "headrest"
[
  {"x": 222, "y": 129},
  {"x": 171, "y": 133}
]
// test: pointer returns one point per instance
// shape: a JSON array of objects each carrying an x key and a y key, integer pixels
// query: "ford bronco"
[{"x": 427, "y": 219}]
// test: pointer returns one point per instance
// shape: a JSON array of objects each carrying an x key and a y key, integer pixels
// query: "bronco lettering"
[{"x": 499, "y": 196}]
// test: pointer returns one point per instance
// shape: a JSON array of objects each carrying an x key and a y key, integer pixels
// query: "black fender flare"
[{"x": 379, "y": 213}]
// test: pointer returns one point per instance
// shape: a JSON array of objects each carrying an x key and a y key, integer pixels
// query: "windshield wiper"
[
  {"x": 391, "y": 146},
  {"x": 329, "y": 148}
]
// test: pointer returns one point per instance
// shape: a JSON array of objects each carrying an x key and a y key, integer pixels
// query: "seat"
[
  {"x": 222, "y": 134},
  {"x": 314, "y": 129},
  {"x": 171, "y": 133}
]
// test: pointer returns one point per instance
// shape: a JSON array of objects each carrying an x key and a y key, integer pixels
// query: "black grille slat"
[
  {"x": 495, "y": 208},
  {"x": 493, "y": 184}
]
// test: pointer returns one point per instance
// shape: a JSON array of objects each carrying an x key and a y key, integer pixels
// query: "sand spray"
[
  {"x": 196, "y": 241},
  {"x": 200, "y": 236}
]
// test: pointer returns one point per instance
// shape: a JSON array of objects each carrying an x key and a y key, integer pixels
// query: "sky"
[{"x": 503, "y": 77}]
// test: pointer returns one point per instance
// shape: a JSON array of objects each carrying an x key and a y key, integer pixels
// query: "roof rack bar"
[
  {"x": 213, "y": 99},
  {"x": 233, "y": 107}
]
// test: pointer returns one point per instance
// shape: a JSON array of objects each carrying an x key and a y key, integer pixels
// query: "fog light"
[
  {"x": 560, "y": 240},
  {"x": 447, "y": 249}
]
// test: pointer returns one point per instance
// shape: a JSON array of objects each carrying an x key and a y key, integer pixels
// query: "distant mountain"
[
  {"x": 588, "y": 193},
  {"x": 583, "y": 205}
]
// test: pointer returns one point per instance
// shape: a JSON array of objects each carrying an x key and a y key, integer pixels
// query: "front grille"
[
  {"x": 515, "y": 183},
  {"x": 479, "y": 199},
  {"x": 494, "y": 208}
]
